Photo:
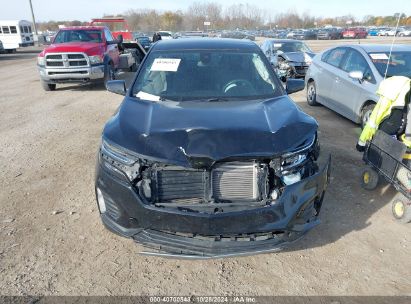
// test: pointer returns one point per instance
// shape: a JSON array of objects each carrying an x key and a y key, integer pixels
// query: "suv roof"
[{"x": 204, "y": 44}]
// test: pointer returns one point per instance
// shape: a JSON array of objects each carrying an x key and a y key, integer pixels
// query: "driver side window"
[
  {"x": 356, "y": 62},
  {"x": 108, "y": 35}
]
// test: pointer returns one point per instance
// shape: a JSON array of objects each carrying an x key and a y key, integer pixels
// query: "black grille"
[
  {"x": 54, "y": 63},
  {"x": 75, "y": 56},
  {"x": 54, "y": 57},
  {"x": 78, "y": 63},
  {"x": 180, "y": 184}
]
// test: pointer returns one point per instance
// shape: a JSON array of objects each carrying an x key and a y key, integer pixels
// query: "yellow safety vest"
[{"x": 392, "y": 92}]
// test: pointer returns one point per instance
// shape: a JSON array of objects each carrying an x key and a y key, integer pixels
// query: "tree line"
[{"x": 236, "y": 16}]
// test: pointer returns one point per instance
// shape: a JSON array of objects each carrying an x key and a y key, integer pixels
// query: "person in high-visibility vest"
[{"x": 394, "y": 94}]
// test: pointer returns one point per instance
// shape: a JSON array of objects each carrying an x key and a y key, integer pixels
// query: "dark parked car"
[
  {"x": 197, "y": 162},
  {"x": 290, "y": 58},
  {"x": 329, "y": 33},
  {"x": 304, "y": 35},
  {"x": 144, "y": 41}
]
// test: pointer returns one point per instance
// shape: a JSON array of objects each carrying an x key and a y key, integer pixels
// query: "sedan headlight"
[
  {"x": 40, "y": 60},
  {"x": 119, "y": 161},
  {"x": 95, "y": 59}
]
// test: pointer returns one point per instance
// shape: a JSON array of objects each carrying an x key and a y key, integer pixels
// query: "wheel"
[
  {"x": 366, "y": 113},
  {"x": 109, "y": 74},
  {"x": 401, "y": 209},
  {"x": 48, "y": 86},
  {"x": 312, "y": 94},
  {"x": 369, "y": 178}
]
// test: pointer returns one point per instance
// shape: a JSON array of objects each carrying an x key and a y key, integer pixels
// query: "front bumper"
[
  {"x": 199, "y": 235},
  {"x": 64, "y": 75}
]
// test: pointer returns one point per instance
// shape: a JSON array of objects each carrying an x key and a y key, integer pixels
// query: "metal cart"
[{"x": 384, "y": 158}]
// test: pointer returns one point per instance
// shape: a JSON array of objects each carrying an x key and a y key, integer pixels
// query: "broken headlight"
[
  {"x": 290, "y": 166},
  {"x": 119, "y": 161}
]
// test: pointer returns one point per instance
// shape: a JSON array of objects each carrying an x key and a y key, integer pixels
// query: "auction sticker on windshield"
[
  {"x": 379, "y": 56},
  {"x": 165, "y": 64}
]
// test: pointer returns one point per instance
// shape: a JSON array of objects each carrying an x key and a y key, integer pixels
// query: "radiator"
[
  {"x": 226, "y": 181},
  {"x": 235, "y": 180}
]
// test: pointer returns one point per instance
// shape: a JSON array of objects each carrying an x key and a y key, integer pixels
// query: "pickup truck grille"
[{"x": 66, "y": 60}]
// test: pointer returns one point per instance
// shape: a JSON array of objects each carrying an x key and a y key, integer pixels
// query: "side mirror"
[
  {"x": 356, "y": 75},
  {"x": 294, "y": 85},
  {"x": 120, "y": 39},
  {"x": 117, "y": 87}
]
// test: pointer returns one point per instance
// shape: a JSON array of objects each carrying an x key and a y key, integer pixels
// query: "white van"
[{"x": 15, "y": 34}]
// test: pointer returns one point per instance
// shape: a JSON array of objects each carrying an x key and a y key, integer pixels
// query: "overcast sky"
[{"x": 84, "y": 10}]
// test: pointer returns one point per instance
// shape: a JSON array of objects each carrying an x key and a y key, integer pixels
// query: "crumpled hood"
[
  {"x": 297, "y": 56},
  {"x": 183, "y": 133},
  {"x": 90, "y": 48}
]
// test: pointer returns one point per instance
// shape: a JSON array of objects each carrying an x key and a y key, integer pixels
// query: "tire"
[
  {"x": 109, "y": 73},
  {"x": 369, "y": 178},
  {"x": 48, "y": 86},
  {"x": 311, "y": 94},
  {"x": 401, "y": 209},
  {"x": 366, "y": 113}
]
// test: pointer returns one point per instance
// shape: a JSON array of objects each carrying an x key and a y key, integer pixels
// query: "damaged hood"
[
  {"x": 184, "y": 133},
  {"x": 298, "y": 56}
]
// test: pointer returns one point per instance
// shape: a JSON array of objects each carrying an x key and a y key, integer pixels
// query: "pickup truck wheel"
[
  {"x": 48, "y": 86},
  {"x": 109, "y": 74},
  {"x": 312, "y": 94}
]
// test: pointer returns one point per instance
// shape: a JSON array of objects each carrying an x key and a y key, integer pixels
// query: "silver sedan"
[{"x": 345, "y": 78}]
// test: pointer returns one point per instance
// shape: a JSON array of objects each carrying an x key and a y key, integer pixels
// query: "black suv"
[{"x": 207, "y": 155}]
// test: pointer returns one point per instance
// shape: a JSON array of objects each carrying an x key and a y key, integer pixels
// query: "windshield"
[
  {"x": 400, "y": 63},
  {"x": 205, "y": 75},
  {"x": 164, "y": 34},
  {"x": 287, "y": 47},
  {"x": 78, "y": 36}
]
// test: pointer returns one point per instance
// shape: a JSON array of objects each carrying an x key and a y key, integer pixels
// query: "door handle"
[{"x": 337, "y": 79}]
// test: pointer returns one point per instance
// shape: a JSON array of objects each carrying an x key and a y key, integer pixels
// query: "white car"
[
  {"x": 345, "y": 78},
  {"x": 387, "y": 32},
  {"x": 404, "y": 32},
  {"x": 166, "y": 35}
]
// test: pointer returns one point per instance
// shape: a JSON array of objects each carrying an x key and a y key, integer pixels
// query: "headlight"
[
  {"x": 95, "y": 59},
  {"x": 282, "y": 65},
  {"x": 119, "y": 161},
  {"x": 288, "y": 162},
  {"x": 40, "y": 60}
]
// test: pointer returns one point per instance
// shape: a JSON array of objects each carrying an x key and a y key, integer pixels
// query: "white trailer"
[{"x": 15, "y": 34}]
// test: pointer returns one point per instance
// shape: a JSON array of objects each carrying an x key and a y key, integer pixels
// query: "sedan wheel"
[
  {"x": 312, "y": 94},
  {"x": 366, "y": 113}
]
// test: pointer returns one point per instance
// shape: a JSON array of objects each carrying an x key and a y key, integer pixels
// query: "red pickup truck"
[
  {"x": 355, "y": 32},
  {"x": 86, "y": 54}
]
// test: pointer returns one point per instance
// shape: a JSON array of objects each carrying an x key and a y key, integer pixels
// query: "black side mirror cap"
[
  {"x": 117, "y": 87},
  {"x": 294, "y": 85}
]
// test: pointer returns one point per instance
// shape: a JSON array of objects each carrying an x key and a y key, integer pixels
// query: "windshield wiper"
[{"x": 217, "y": 99}]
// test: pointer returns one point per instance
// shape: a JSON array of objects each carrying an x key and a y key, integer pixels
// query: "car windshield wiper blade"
[{"x": 216, "y": 99}]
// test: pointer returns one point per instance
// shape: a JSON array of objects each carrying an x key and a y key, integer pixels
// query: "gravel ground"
[{"x": 53, "y": 243}]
